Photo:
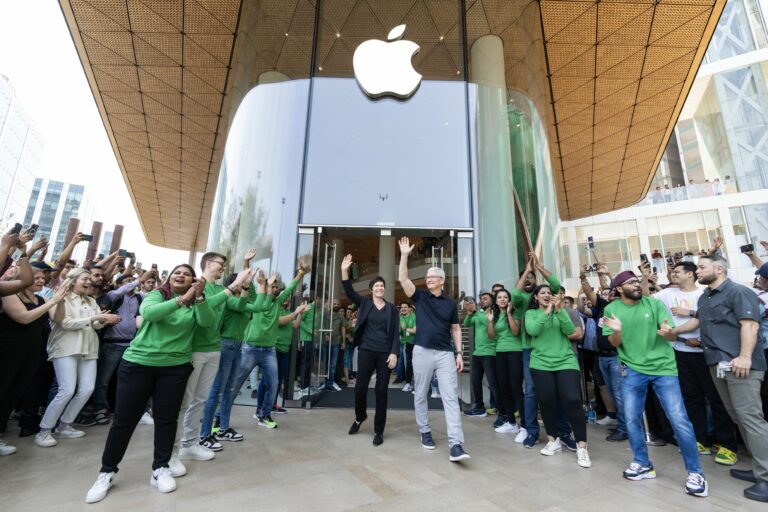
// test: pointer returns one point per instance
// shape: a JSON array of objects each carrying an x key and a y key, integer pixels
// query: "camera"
[
  {"x": 88, "y": 238},
  {"x": 16, "y": 229},
  {"x": 747, "y": 248}
]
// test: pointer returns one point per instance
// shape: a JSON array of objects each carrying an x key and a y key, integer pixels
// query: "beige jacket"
[{"x": 76, "y": 335}]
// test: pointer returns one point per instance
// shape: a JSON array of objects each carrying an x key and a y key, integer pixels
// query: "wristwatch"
[{"x": 200, "y": 299}]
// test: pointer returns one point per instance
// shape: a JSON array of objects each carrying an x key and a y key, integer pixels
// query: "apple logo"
[{"x": 384, "y": 68}]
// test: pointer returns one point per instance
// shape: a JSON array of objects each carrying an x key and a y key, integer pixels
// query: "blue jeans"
[
  {"x": 331, "y": 368},
  {"x": 110, "y": 355},
  {"x": 400, "y": 369},
  {"x": 611, "y": 370},
  {"x": 228, "y": 365},
  {"x": 532, "y": 405},
  {"x": 667, "y": 388},
  {"x": 283, "y": 358},
  {"x": 252, "y": 356}
]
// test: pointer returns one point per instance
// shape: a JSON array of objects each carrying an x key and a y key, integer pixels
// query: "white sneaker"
[
  {"x": 99, "y": 489},
  {"x": 6, "y": 449},
  {"x": 146, "y": 419},
  {"x": 582, "y": 458},
  {"x": 195, "y": 452},
  {"x": 507, "y": 428},
  {"x": 336, "y": 386},
  {"x": 70, "y": 433},
  {"x": 552, "y": 447},
  {"x": 606, "y": 421},
  {"x": 522, "y": 434},
  {"x": 407, "y": 387},
  {"x": 45, "y": 439},
  {"x": 435, "y": 393},
  {"x": 163, "y": 480},
  {"x": 176, "y": 466}
]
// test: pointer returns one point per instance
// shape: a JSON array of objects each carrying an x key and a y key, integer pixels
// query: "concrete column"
[
  {"x": 497, "y": 244},
  {"x": 93, "y": 245},
  {"x": 387, "y": 265},
  {"x": 117, "y": 238},
  {"x": 72, "y": 226}
]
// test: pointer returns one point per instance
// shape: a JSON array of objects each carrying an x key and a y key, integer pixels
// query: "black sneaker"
[
  {"x": 500, "y": 420},
  {"x": 276, "y": 409},
  {"x": 101, "y": 418},
  {"x": 229, "y": 435},
  {"x": 211, "y": 443},
  {"x": 569, "y": 442},
  {"x": 476, "y": 413},
  {"x": 378, "y": 438},
  {"x": 427, "y": 441},
  {"x": 617, "y": 437},
  {"x": 84, "y": 420},
  {"x": 458, "y": 454},
  {"x": 355, "y": 428}
]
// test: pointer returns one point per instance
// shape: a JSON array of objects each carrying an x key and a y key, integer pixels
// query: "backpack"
[{"x": 589, "y": 342}]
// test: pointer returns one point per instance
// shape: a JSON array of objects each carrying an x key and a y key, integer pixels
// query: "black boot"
[
  {"x": 744, "y": 474},
  {"x": 758, "y": 492},
  {"x": 356, "y": 426}
]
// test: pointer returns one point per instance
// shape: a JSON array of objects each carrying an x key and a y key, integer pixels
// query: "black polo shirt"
[
  {"x": 719, "y": 313},
  {"x": 434, "y": 317}
]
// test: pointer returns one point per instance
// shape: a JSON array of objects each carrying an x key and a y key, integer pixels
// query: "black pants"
[
  {"x": 482, "y": 365},
  {"x": 509, "y": 376},
  {"x": 697, "y": 388},
  {"x": 307, "y": 362},
  {"x": 19, "y": 361},
  {"x": 409, "y": 363},
  {"x": 135, "y": 385},
  {"x": 560, "y": 388},
  {"x": 367, "y": 362}
]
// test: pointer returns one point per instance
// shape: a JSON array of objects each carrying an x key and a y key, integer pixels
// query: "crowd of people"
[{"x": 107, "y": 342}]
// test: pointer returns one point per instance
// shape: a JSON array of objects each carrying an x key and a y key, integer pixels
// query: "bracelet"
[
  {"x": 230, "y": 289},
  {"x": 200, "y": 299},
  {"x": 178, "y": 304}
]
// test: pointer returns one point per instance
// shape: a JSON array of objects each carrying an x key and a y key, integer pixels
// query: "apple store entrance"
[{"x": 310, "y": 380}]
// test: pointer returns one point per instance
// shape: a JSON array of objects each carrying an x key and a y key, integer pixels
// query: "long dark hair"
[
  {"x": 534, "y": 303},
  {"x": 495, "y": 307},
  {"x": 165, "y": 288}
]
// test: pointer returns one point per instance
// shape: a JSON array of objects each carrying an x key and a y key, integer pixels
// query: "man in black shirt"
[{"x": 437, "y": 351}]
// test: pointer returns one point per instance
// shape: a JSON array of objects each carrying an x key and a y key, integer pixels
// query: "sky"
[{"x": 38, "y": 56}]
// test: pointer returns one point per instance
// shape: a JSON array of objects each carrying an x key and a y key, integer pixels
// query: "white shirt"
[
  {"x": 76, "y": 336},
  {"x": 675, "y": 297}
]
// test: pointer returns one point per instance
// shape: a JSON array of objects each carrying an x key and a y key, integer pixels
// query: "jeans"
[
  {"x": 400, "y": 369},
  {"x": 531, "y": 405},
  {"x": 611, "y": 370},
  {"x": 252, "y": 356},
  {"x": 283, "y": 358},
  {"x": 634, "y": 390},
  {"x": 331, "y": 367},
  {"x": 136, "y": 384},
  {"x": 228, "y": 365},
  {"x": 368, "y": 362},
  {"x": 110, "y": 355},
  {"x": 72, "y": 373},
  {"x": 428, "y": 362}
]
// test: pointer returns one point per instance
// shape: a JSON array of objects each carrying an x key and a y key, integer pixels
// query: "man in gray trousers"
[
  {"x": 437, "y": 351},
  {"x": 729, "y": 316}
]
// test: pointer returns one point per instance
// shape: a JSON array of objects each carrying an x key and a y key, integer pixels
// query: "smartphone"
[
  {"x": 165, "y": 274},
  {"x": 655, "y": 271},
  {"x": 644, "y": 258},
  {"x": 591, "y": 243},
  {"x": 88, "y": 238},
  {"x": 122, "y": 253},
  {"x": 33, "y": 229},
  {"x": 100, "y": 257},
  {"x": 131, "y": 255},
  {"x": 670, "y": 260},
  {"x": 16, "y": 229},
  {"x": 154, "y": 267},
  {"x": 747, "y": 248}
]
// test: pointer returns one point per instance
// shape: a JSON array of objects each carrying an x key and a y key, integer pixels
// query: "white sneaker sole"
[
  {"x": 196, "y": 456},
  {"x": 153, "y": 483},
  {"x": 549, "y": 453},
  {"x": 641, "y": 476},
  {"x": 463, "y": 456}
]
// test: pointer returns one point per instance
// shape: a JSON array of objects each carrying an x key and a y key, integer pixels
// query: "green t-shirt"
[
  {"x": 307, "y": 324},
  {"x": 642, "y": 349},
  {"x": 206, "y": 339},
  {"x": 234, "y": 320},
  {"x": 262, "y": 329},
  {"x": 519, "y": 299},
  {"x": 548, "y": 334},
  {"x": 484, "y": 346},
  {"x": 284, "y": 333},
  {"x": 165, "y": 335},
  {"x": 505, "y": 340},
  {"x": 407, "y": 322}
]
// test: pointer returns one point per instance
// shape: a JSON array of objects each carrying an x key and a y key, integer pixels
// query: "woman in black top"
[{"x": 377, "y": 338}]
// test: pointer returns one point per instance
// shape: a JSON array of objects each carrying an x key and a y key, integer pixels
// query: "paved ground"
[{"x": 311, "y": 464}]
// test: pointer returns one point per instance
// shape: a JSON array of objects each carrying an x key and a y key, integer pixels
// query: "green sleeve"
[
  {"x": 566, "y": 325},
  {"x": 469, "y": 320},
  {"x": 262, "y": 303},
  {"x": 287, "y": 292},
  {"x": 204, "y": 315},
  {"x": 516, "y": 297},
  {"x": 554, "y": 283},
  {"x": 217, "y": 299},
  {"x": 234, "y": 302},
  {"x": 154, "y": 308},
  {"x": 535, "y": 321}
]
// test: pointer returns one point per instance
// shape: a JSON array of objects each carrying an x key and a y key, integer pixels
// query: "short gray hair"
[
  {"x": 436, "y": 270},
  {"x": 717, "y": 260}
]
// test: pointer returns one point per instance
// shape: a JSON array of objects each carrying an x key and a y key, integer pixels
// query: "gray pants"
[
  {"x": 428, "y": 362},
  {"x": 742, "y": 401}
]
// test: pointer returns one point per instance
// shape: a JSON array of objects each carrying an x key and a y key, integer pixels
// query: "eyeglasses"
[
  {"x": 433, "y": 277},
  {"x": 219, "y": 262},
  {"x": 631, "y": 282}
]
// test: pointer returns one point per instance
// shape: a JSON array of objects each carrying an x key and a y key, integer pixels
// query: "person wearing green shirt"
[
  {"x": 521, "y": 296},
  {"x": 641, "y": 329},
  {"x": 484, "y": 356},
  {"x": 555, "y": 370},
  {"x": 156, "y": 365},
  {"x": 407, "y": 330},
  {"x": 260, "y": 338},
  {"x": 306, "y": 321},
  {"x": 206, "y": 353},
  {"x": 283, "y": 352}
]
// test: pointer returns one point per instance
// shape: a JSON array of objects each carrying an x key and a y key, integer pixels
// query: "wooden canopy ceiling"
[{"x": 168, "y": 75}]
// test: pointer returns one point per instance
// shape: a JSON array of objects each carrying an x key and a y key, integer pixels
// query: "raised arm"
[
  {"x": 248, "y": 257},
  {"x": 66, "y": 254},
  {"x": 405, "y": 250},
  {"x": 16, "y": 311},
  {"x": 25, "y": 278},
  {"x": 346, "y": 264},
  {"x": 586, "y": 287},
  {"x": 603, "y": 277}
]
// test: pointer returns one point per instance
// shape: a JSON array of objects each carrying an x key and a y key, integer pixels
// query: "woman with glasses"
[
  {"x": 377, "y": 338},
  {"x": 555, "y": 370}
]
